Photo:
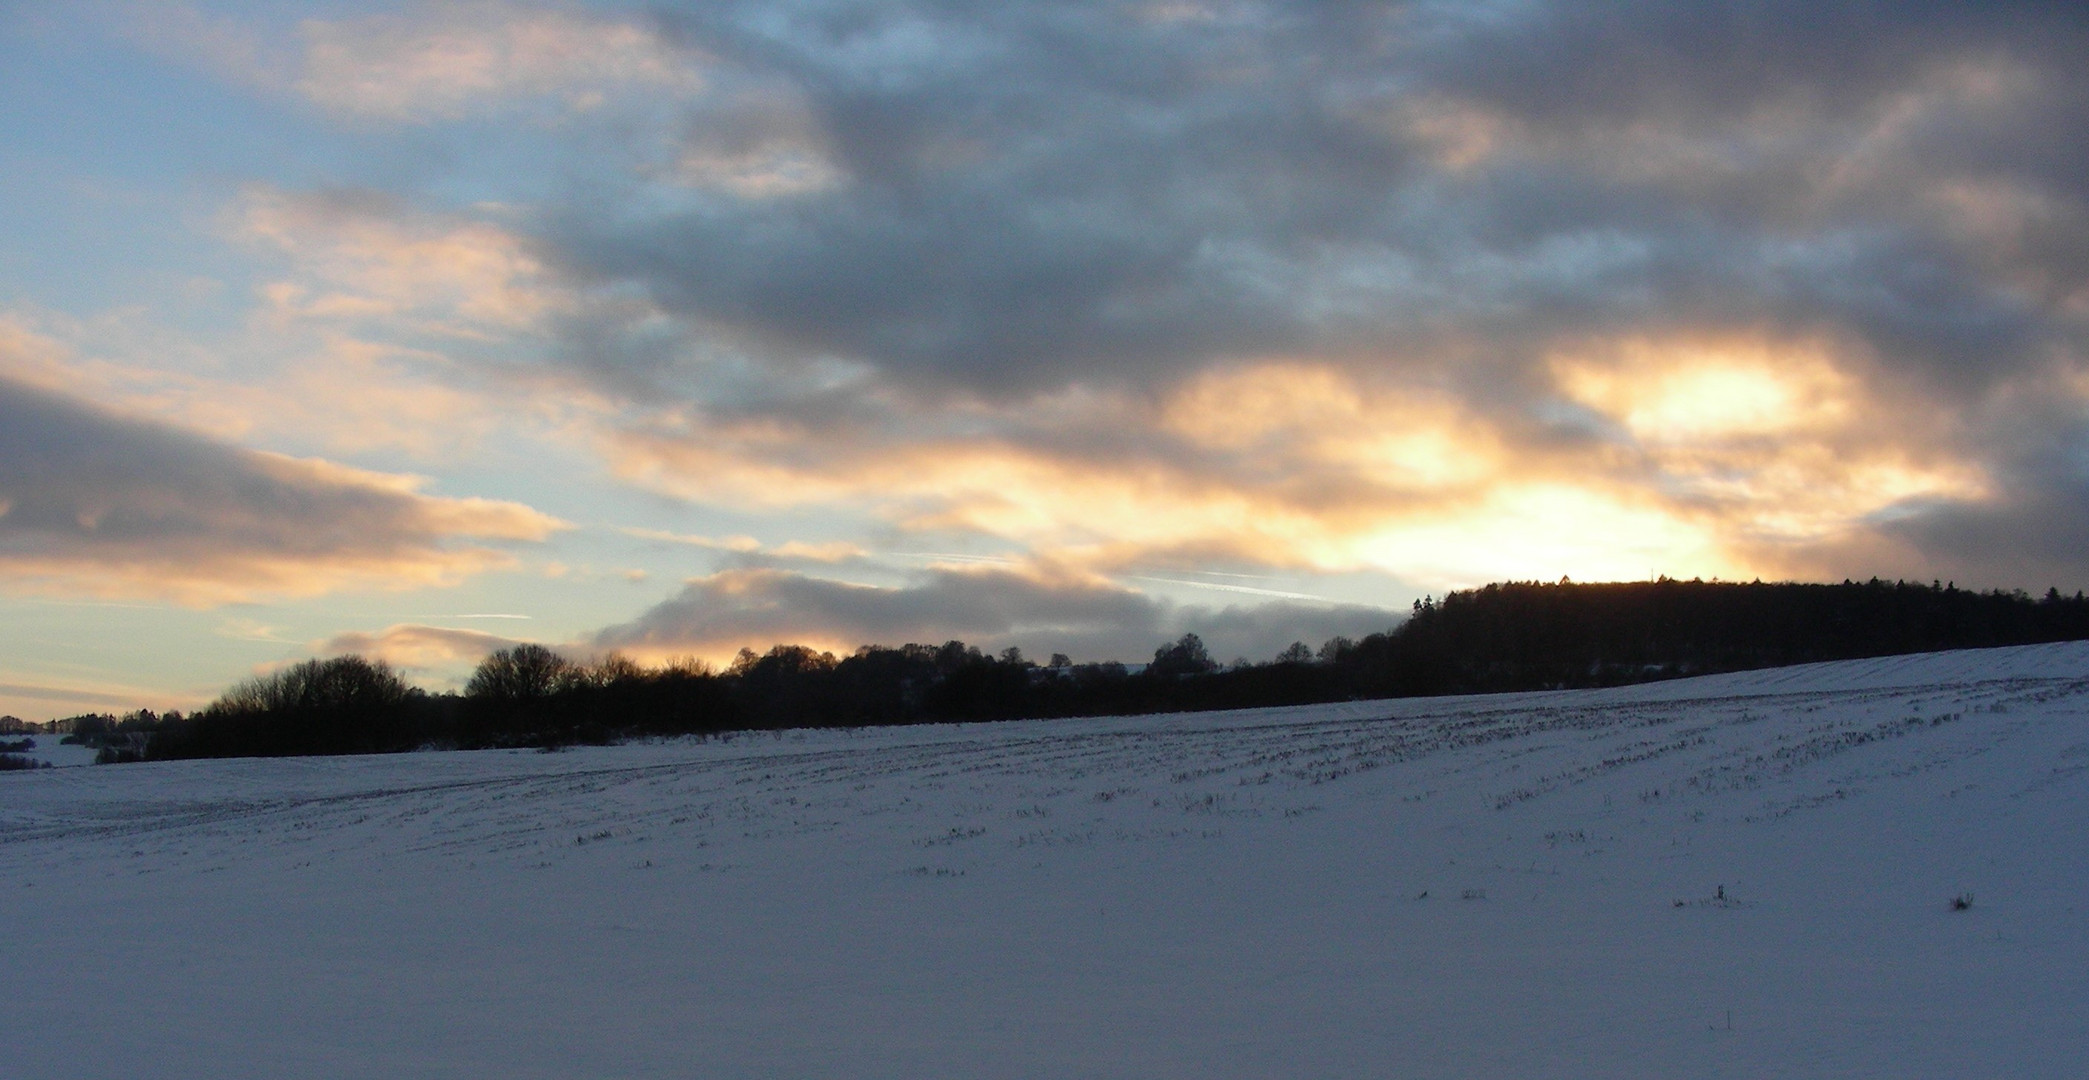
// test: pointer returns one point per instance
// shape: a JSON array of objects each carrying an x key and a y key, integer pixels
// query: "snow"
[
  {"x": 1737, "y": 876},
  {"x": 51, "y": 751}
]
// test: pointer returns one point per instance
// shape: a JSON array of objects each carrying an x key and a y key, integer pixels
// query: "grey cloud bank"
[
  {"x": 119, "y": 505},
  {"x": 1028, "y": 196},
  {"x": 991, "y": 609},
  {"x": 999, "y": 202}
]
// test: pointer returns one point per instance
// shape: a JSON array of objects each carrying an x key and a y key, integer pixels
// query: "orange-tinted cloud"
[
  {"x": 1566, "y": 290},
  {"x": 96, "y": 503},
  {"x": 1690, "y": 454},
  {"x": 16, "y": 696},
  {"x": 358, "y": 256},
  {"x": 446, "y": 62},
  {"x": 417, "y": 648},
  {"x": 370, "y": 336}
]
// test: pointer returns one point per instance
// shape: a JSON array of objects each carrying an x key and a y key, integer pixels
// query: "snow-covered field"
[
  {"x": 1746, "y": 875},
  {"x": 51, "y": 751}
]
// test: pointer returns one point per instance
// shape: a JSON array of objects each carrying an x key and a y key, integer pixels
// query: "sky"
[{"x": 419, "y": 329}]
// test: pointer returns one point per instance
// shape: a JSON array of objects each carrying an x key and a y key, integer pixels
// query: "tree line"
[{"x": 1512, "y": 636}]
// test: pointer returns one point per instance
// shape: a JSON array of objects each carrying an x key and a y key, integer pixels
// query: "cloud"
[
  {"x": 362, "y": 256},
  {"x": 1452, "y": 293},
  {"x": 1449, "y": 292},
  {"x": 68, "y": 697},
  {"x": 749, "y": 548},
  {"x": 417, "y": 648},
  {"x": 1680, "y": 455},
  {"x": 378, "y": 329},
  {"x": 450, "y": 61},
  {"x": 97, "y": 503},
  {"x": 1019, "y": 211},
  {"x": 329, "y": 392},
  {"x": 715, "y": 616},
  {"x": 393, "y": 328}
]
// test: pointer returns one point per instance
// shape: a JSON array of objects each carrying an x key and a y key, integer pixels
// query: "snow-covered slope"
[
  {"x": 1744, "y": 875},
  {"x": 51, "y": 750}
]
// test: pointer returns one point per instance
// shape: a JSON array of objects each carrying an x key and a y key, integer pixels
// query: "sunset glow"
[{"x": 676, "y": 329}]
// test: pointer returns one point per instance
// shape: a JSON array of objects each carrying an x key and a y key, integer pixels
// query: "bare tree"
[
  {"x": 340, "y": 684},
  {"x": 523, "y": 673}
]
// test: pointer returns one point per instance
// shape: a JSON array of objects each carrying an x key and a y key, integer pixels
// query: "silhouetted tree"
[
  {"x": 523, "y": 673},
  {"x": 1184, "y": 658},
  {"x": 345, "y": 683},
  {"x": 1336, "y": 649},
  {"x": 341, "y": 705},
  {"x": 1298, "y": 652},
  {"x": 1511, "y": 636}
]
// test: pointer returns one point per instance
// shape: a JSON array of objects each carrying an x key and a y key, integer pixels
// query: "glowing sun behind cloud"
[{"x": 1689, "y": 391}]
